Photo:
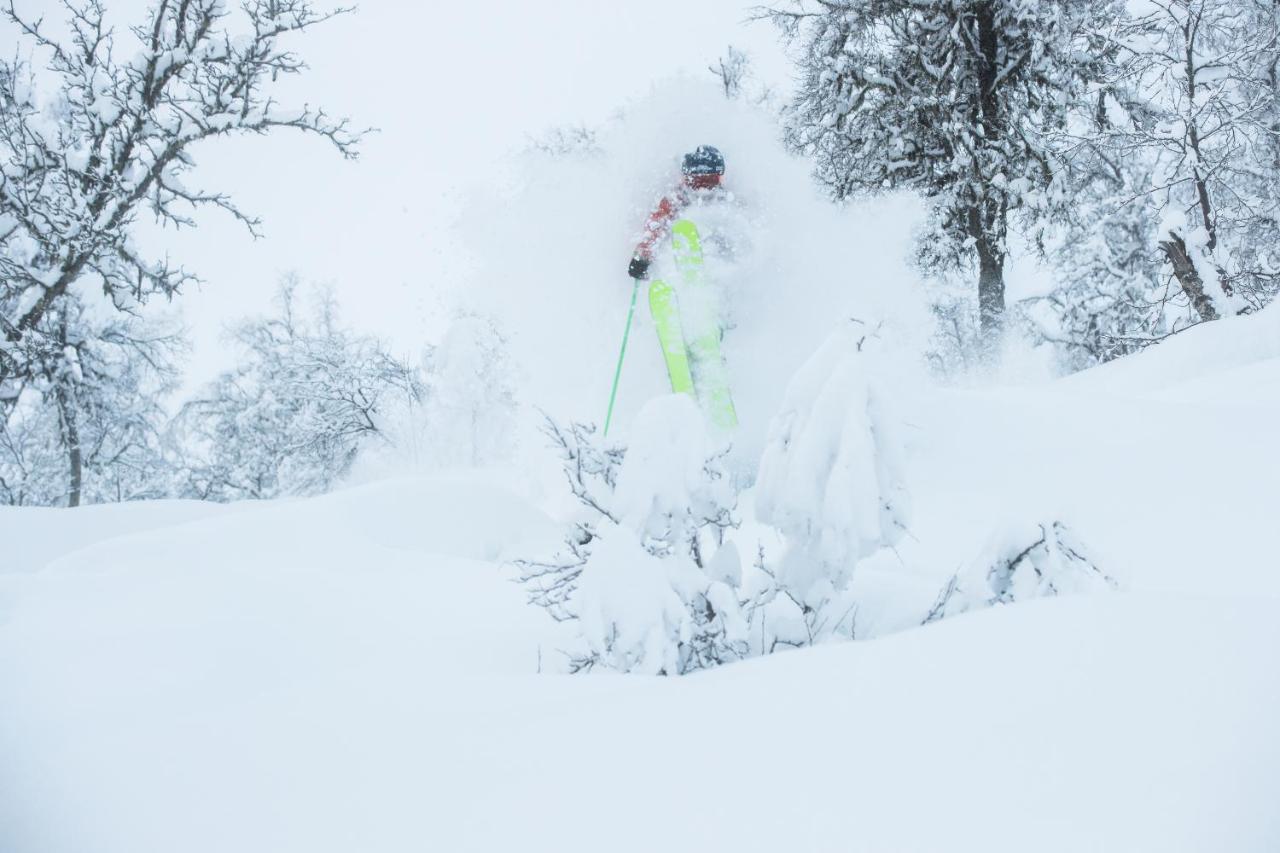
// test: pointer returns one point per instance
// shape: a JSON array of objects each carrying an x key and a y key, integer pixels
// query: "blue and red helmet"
[{"x": 705, "y": 160}]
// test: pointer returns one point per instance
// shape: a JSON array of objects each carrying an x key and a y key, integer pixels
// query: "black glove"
[{"x": 638, "y": 268}]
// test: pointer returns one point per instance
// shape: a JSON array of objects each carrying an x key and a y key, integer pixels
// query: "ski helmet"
[{"x": 705, "y": 160}]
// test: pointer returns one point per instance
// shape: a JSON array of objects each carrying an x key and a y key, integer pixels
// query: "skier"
[
  {"x": 688, "y": 323},
  {"x": 702, "y": 169}
]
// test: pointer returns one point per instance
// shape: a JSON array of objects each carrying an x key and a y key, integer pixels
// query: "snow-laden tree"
[
  {"x": 831, "y": 481},
  {"x": 962, "y": 101},
  {"x": 104, "y": 135},
  {"x": 646, "y": 572},
  {"x": 1111, "y": 296},
  {"x": 293, "y": 414},
  {"x": 470, "y": 417},
  {"x": 33, "y": 468},
  {"x": 1196, "y": 86},
  {"x": 88, "y": 426}
]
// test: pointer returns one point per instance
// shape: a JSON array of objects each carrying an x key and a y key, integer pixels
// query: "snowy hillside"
[{"x": 357, "y": 672}]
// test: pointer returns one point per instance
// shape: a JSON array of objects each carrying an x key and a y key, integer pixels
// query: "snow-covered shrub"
[
  {"x": 470, "y": 416},
  {"x": 1023, "y": 562},
  {"x": 291, "y": 417},
  {"x": 591, "y": 471},
  {"x": 646, "y": 570},
  {"x": 831, "y": 481}
]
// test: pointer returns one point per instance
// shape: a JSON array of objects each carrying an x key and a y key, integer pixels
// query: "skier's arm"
[{"x": 655, "y": 228}]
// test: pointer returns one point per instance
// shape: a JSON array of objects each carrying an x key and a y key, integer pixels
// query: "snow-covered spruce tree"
[
  {"x": 831, "y": 480},
  {"x": 1027, "y": 561},
  {"x": 293, "y": 414},
  {"x": 646, "y": 572},
  {"x": 962, "y": 101},
  {"x": 108, "y": 140},
  {"x": 1197, "y": 80}
]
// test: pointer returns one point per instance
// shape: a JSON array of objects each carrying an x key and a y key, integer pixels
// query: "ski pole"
[{"x": 617, "y": 373}]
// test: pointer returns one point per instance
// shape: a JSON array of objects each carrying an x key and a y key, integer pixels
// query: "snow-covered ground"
[{"x": 357, "y": 671}]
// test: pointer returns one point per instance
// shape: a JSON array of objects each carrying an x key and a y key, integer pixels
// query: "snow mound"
[
  {"x": 260, "y": 732},
  {"x": 461, "y": 515},
  {"x": 34, "y": 536}
]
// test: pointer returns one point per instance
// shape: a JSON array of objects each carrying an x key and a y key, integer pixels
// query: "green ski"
[
  {"x": 666, "y": 319},
  {"x": 701, "y": 324}
]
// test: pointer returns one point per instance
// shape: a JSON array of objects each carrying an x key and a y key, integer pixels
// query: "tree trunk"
[
  {"x": 987, "y": 217},
  {"x": 1175, "y": 249},
  {"x": 990, "y": 293},
  {"x": 67, "y": 416},
  {"x": 71, "y": 439},
  {"x": 984, "y": 223}
]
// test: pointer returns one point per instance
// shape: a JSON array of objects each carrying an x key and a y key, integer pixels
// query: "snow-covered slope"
[
  {"x": 1066, "y": 725},
  {"x": 1166, "y": 462},
  {"x": 357, "y": 672},
  {"x": 1237, "y": 361}
]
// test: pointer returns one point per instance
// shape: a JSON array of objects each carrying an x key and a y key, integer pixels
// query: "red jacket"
[{"x": 669, "y": 210}]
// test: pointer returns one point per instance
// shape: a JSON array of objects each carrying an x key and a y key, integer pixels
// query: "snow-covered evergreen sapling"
[
  {"x": 832, "y": 481},
  {"x": 647, "y": 572}
]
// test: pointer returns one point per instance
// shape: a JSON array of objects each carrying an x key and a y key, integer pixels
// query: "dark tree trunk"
[
  {"x": 70, "y": 429},
  {"x": 1175, "y": 249},
  {"x": 984, "y": 222},
  {"x": 987, "y": 218},
  {"x": 71, "y": 439},
  {"x": 990, "y": 293}
]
